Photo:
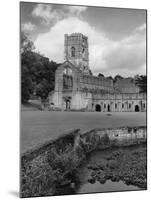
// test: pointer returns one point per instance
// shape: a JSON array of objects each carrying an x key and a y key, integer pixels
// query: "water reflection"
[
  {"x": 80, "y": 179},
  {"x": 108, "y": 186}
]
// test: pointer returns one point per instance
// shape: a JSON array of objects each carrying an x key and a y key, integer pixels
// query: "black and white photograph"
[{"x": 83, "y": 99}]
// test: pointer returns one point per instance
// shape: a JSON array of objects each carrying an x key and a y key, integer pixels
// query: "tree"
[
  {"x": 26, "y": 44},
  {"x": 26, "y": 85},
  {"x": 141, "y": 82},
  {"x": 109, "y": 77},
  {"x": 117, "y": 77},
  {"x": 26, "y": 81},
  {"x": 90, "y": 72},
  {"x": 42, "y": 90},
  {"x": 100, "y": 75},
  {"x": 37, "y": 72}
]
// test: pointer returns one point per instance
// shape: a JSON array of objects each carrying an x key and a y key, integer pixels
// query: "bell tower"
[{"x": 76, "y": 51}]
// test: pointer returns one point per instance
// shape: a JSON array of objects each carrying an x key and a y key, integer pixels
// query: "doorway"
[
  {"x": 67, "y": 104},
  {"x": 136, "y": 108},
  {"x": 98, "y": 108},
  {"x": 108, "y": 108}
]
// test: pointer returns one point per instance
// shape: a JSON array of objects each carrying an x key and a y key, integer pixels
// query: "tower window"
[
  {"x": 72, "y": 51},
  {"x": 122, "y": 105},
  {"x": 115, "y": 105}
]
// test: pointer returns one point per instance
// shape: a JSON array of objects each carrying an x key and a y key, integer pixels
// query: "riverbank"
[
  {"x": 39, "y": 127},
  {"x": 52, "y": 168}
]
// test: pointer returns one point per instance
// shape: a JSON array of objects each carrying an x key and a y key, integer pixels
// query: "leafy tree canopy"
[
  {"x": 100, "y": 75},
  {"x": 36, "y": 70},
  {"x": 141, "y": 82}
]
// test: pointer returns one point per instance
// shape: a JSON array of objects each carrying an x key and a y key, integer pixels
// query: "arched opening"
[
  {"x": 108, "y": 108},
  {"x": 67, "y": 104},
  {"x": 136, "y": 108},
  {"x": 72, "y": 51},
  {"x": 98, "y": 108},
  {"x": 67, "y": 79}
]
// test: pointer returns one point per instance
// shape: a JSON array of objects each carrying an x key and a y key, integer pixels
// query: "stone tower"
[{"x": 76, "y": 51}]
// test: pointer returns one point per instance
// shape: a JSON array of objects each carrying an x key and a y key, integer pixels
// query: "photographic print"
[{"x": 83, "y": 99}]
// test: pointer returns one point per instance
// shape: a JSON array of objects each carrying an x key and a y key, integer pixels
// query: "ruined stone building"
[{"x": 77, "y": 89}]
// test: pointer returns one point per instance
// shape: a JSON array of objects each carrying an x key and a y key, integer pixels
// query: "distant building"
[{"x": 77, "y": 89}]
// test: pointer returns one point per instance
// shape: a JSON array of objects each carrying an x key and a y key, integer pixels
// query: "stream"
[
  {"x": 83, "y": 185},
  {"x": 108, "y": 186}
]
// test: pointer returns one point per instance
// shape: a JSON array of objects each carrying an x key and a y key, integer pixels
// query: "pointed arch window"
[
  {"x": 67, "y": 78},
  {"x": 73, "y": 51}
]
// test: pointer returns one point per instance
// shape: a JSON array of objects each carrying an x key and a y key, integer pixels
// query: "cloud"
[
  {"x": 141, "y": 28},
  {"x": 49, "y": 15},
  {"x": 52, "y": 43},
  {"x": 126, "y": 57},
  {"x": 129, "y": 55},
  {"x": 28, "y": 27},
  {"x": 75, "y": 10},
  {"x": 46, "y": 13}
]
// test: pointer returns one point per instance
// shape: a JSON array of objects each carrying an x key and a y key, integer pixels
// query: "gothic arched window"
[
  {"x": 67, "y": 71},
  {"x": 72, "y": 51},
  {"x": 67, "y": 78}
]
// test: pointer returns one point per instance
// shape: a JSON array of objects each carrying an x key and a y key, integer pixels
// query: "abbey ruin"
[{"x": 77, "y": 89}]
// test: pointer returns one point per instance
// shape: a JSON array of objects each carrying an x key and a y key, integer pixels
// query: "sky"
[{"x": 116, "y": 37}]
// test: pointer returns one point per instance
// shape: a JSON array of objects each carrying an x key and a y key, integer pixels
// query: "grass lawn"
[{"x": 40, "y": 126}]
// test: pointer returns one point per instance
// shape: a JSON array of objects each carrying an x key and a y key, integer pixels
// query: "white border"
[{"x": 9, "y": 101}]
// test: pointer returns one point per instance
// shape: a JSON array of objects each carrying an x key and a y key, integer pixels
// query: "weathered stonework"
[
  {"x": 76, "y": 89},
  {"x": 76, "y": 51}
]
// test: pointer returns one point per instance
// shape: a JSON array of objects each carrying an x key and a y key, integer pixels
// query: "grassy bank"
[{"x": 50, "y": 167}]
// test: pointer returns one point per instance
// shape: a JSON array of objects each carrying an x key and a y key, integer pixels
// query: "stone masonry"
[{"x": 77, "y": 89}]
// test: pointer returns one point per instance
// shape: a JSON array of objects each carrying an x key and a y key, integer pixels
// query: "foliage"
[
  {"x": 90, "y": 72},
  {"x": 42, "y": 89},
  {"x": 26, "y": 44},
  {"x": 117, "y": 77},
  {"x": 26, "y": 85},
  {"x": 37, "y": 72},
  {"x": 26, "y": 81},
  {"x": 100, "y": 75},
  {"x": 110, "y": 77},
  {"x": 141, "y": 82},
  {"x": 46, "y": 173}
]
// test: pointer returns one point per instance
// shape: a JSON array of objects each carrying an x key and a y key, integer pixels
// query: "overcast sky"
[{"x": 117, "y": 37}]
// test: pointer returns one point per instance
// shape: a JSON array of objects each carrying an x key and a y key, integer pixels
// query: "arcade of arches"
[{"x": 116, "y": 107}]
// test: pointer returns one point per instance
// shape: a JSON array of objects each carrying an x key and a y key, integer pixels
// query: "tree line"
[{"x": 37, "y": 72}]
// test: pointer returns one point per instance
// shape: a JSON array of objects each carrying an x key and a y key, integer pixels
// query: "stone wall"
[
  {"x": 120, "y": 102},
  {"x": 93, "y": 82},
  {"x": 79, "y": 43},
  {"x": 86, "y": 92},
  {"x": 122, "y": 135}
]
